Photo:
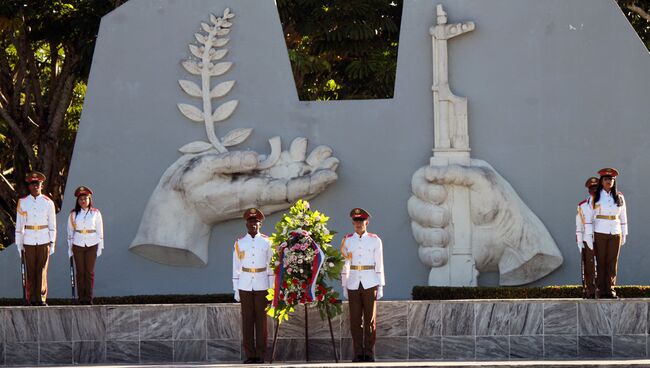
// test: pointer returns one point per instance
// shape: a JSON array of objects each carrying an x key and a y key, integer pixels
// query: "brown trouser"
[
  {"x": 363, "y": 319},
  {"x": 36, "y": 259},
  {"x": 588, "y": 271},
  {"x": 607, "y": 248},
  {"x": 84, "y": 261},
  {"x": 253, "y": 322}
]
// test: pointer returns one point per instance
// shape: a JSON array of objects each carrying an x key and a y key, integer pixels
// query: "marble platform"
[{"x": 407, "y": 330}]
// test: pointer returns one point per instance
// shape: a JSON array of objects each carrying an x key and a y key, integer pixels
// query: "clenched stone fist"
[{"x": 505, "y": 234}]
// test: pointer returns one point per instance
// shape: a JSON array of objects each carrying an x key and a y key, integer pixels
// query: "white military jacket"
[
  {"x": 606, "y": 217},
  {"x": 250, "y": 263},
  {"x": 583, "y": 207},
  {"x": 86, "y": 229},
  {"x": 35, "y": 221},
  {"x": 364, "y": 261}
]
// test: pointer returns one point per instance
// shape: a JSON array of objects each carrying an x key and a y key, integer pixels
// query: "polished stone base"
[{"x": 517, "y": 330}]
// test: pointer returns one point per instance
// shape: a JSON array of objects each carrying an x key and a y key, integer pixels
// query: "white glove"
[
  {"x": 589, "y": 239},
  {"x": 380, "y": 292},
  {"x": 99, "y": 252},
  {"x": 581, "y": 245},
  {"x": 345, "y": 293},
  {"x": 52, "y": 247},
  {"x": 622, "y": 239},
  {"x": 70, "y": 254},
  {"x": 272, "y": 282},
  {"x": 237, "y": 295},
  {"x": 21, "y": 249}
]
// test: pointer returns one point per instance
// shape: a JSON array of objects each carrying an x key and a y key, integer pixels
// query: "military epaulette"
[
  {"x": 373, "y": 235},
  {"x": 72, "y": 210},
  {"x": 72, "y": 220},
  {"x": 46, "y": 197},
  {"x": 24, "y": 197},
  {"x": 94, "y": 209},
  {"x": 264, "y": 236},
  {"x": 19, "y": 210},
  {"x": 581, "y": 203},
  {"x": 239, "y": 253},
  {"x": 241, "y": 237},
  {"x": 344, "y": 250}
]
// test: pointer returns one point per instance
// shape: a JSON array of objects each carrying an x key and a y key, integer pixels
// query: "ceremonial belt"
[
  {"x": 35, "y": 227},
  {"x": 603, "y": 217},
  {"x": 361, "y": 268},
  {"x": 253, "y": 270},
  {"x": 84, "y": 231}
]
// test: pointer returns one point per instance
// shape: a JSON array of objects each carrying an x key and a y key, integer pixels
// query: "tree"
[
  {"x": 638, "y": 13},
  {"x": 46, "y": 48},
  {"x": 341, "y": 49}
]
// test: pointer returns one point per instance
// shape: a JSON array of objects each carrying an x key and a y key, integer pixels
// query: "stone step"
[{"x": 421, "y": 364}]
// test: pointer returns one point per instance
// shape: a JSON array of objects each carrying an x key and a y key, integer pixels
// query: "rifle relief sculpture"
[{"x": 465, "y": 217}]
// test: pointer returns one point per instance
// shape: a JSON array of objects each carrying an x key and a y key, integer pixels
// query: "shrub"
[
  {"x": 546, "y": 292},
  {"x": 136, "y": 299}
]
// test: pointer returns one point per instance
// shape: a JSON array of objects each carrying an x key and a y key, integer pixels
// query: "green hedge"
[
  {"x": 546, "y": 292},
  {"x": 138, "y": 299}
]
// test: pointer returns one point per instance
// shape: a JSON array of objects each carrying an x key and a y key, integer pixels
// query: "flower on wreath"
[{"x": 304, "y": 261}]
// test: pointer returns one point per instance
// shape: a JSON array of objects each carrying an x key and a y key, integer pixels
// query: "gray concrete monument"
[{"x": 556, "y": 91}]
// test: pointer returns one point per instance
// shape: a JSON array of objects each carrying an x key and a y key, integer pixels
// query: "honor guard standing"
[
  {"x": 363, "y": 281},
  {"x": 607, "y": 231},
  {"x": 35, "y": 236},
  {"x": 85, "y": 241},
  {"x": 586, "y": 250},
  {"x": 251, "y": 278}
]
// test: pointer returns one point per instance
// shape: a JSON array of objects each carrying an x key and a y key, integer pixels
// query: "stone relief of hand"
[
  {"x": 201, "y": 190},
  {"x": 506, "y": 235}
]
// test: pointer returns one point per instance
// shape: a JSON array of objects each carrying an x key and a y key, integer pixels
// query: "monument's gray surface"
[{"x": 557, "y": 90}]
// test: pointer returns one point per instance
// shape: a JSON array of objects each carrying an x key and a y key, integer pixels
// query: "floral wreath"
[{"x": 303, "y": 260}]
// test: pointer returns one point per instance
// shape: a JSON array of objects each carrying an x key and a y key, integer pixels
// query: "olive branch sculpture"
[
  {"x": 208, "y": 184},
  {"x": 210, "y": 49}
]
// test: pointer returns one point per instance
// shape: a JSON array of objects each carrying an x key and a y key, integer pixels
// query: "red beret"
[
  {"x": 608, "y": 171},
  {"x": 82, "y": 191},
  {"x": 359, "y": 213},
  {"x": 35, "y": 176},
  {"x": 591, "y": 181},
  {"x": 253, "y": 213}
]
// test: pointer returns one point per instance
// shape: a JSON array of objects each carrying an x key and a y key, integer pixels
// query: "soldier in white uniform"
[
  {"x": 85, "y": 241},
  {"x": 606, "y": 228},
  {"x": 251, "y": 278},
  {"x": 586, "y": 250},
  {"x": 36, "y": 236},
  {"x": 363, "y": 283}
]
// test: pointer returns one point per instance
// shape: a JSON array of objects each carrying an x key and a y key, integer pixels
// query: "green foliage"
[
  {"x": 342, "y": 49},
  {"x": 292, "y": 239},
  {"x": 638, "y": 13},
  {"x": 546, "y": 292},
  {"x": 46, "y": 48}
]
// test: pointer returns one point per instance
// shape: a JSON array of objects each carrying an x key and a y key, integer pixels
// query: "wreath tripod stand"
[{"x": 329, "y": 322}]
